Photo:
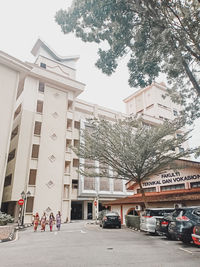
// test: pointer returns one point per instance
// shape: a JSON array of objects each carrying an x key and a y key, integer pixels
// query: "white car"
[{"x": 148, "y": 218}]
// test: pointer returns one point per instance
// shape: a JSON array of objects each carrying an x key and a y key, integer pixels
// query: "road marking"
[
  {"x": 188, "y": 251},
  {"x": 82, "y": 232}
]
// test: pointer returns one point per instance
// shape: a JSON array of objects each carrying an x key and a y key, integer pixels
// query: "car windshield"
[{"x": 157, "y": 212}]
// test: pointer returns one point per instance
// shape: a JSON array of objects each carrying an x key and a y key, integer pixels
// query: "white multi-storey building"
[{"x": 46, "y": 122}]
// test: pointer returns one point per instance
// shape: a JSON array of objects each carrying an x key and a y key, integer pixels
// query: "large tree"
[
  {"x": 132, "y": 149},
  {"x": 160, "y": 36}
]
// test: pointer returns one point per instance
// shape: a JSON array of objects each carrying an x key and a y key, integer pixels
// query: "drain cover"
[{"x": 109, "y": 248}]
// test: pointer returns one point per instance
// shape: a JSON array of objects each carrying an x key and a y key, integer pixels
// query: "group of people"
[{"x": 43, "y": 221}]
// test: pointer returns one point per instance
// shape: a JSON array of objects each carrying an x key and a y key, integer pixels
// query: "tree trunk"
[
  {"x": 191, "y": 77},
  {"x": 143, "y": 196}
]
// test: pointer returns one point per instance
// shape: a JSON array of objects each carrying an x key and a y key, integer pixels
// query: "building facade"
[{"x": 46, "y": 121}]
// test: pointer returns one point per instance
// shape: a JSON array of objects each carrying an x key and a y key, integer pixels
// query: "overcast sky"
[{"x": 23, "y": 21}]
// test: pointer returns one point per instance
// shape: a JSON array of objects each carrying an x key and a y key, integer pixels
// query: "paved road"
[{"x": 80, "y": 244}]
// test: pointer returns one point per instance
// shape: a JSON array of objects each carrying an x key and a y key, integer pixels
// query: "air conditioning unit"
[
  {"x": 178, "y": 205},
  {"x": 138, "y": 207}
]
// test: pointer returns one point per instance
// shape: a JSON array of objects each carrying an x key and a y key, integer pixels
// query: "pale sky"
[{"x": 23, "y": 21}]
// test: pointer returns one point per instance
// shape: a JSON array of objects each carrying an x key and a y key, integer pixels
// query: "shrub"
[{"x": 5, "y": 218}]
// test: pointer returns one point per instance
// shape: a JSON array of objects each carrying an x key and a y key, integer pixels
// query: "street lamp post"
[{"x": 24, "y": 197}]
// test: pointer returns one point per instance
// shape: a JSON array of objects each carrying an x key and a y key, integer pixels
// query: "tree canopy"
[
  {"x": 160, "y": 36},
  {"x": 132, "y": 149}
]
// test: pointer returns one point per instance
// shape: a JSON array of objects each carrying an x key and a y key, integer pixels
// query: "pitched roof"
[
  {"x": 50, "y": 51},
  {"x": 167, "y": 196}
]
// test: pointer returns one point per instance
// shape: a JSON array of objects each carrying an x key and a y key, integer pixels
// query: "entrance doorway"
[
  {"x": 76, "y": 210},
  {"x": 89, "y": 210}
]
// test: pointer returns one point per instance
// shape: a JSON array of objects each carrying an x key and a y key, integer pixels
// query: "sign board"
[{"x": 21, "y": 202}]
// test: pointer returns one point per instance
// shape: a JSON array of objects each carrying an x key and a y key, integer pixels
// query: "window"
[
  {"x": 66, "y": 192},
  {"x": 37, "y": 129},
  {"x": 172, "y": 187},
  {"x": 74, "y": 184},
  {"x": 70, "y": 105},
  {"x": 43, "y": 65},
  {"x": 68, "y": 144},
  {"x": 35, "y": 151},
  {"x": 67, "y": 167},
  {"x": 150, "y": 189},
  {"x": 75, "y": 163},
  {"x": 8, "y": 180},
  {"x": 39, "y": 106},
  {"x": 11, "y": 155},
  {"x": 195, "y": 184},
  {"x": 29, "y": 204},
  {"x": 14, "y": 132},
  {"x": 77, "y": 125},
  {"x": 181, "y": 149},
  {"x": 32, "y": 177},
  {"x": 41, "y": 87},
  {"x": 69, "y": 124},
  {"x": 76, "y": 143},
  {"x": 18, "y": 110}
]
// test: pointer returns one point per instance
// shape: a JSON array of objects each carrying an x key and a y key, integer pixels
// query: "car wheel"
[
  {"x": 186, "y": 239},
  {"x": 103, "y": 226},
  {"x": 119, "y": 226},
  {"x": 169, "y": 237}
]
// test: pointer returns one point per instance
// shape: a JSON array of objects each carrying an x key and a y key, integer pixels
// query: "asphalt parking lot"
[{"x": 85, "y": 244}]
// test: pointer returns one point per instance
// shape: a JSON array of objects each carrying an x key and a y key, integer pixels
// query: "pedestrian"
[
  {"x": 51, "y": 221},
  {"x": 58, "y": 220},
  {"x": 43, "y": 221},
  {"x": 36, "y": 221}
]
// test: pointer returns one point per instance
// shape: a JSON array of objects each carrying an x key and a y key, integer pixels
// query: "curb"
[
  {"x": 13, "y": 233},
  {"x": 10, "y": 238}
]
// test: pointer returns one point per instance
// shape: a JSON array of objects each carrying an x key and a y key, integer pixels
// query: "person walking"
[
  {"x": 51, "y": 221},
  {"x": 36, "y": 221},
  {"x": 58, "y": 220},
  {"x": 43, "y": 221}
]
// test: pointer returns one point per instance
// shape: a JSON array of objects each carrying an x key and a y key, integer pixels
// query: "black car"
[
  {"x": 181, "y": 222},
  {"x": 109, "y": 218}
]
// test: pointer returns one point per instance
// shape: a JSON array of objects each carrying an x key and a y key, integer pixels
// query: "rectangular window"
[
  {"x": 29, "y": 204},
  {"x": 70, "y": 105},
  {"x": 150, "y": 189},
  {"x": 66, "y": 192},
  {"x": 67, "y": 167},
  {"x": 181, "y": 149},
  {"x": 41, "y": 87},
  {"x": 77, "y": 125},
  {"x": 43, "y": 65},
  {"x": 68, "y": 145},
  {"x": 35, "y": 151},
  {"x": 32, "y": 177},
  {"x": 14, "y": 132},
  {"x": 172, "y": 187},
  {"x": 74, "y": 184},
  {"x": 195, "y": 184},
  {"x": 39, "y": 106},
  {"x": 8, "y": 180},
  {"x": 17, "y": 111},
  {"x": 69, "y": 124},
  {"x": 76, "y": 143},
  {"x": 11, "y": 155},
  {"x": 37, "y": 129},
  {"x": 76, "y": 163}
]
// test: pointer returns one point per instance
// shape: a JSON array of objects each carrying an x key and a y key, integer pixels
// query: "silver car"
[{"x": 148, "y": 218}]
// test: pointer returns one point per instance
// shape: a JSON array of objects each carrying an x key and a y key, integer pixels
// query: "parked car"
[
  {"x": 196, "y": 234},
  {"x": 109, "y": 218},
  {"x": 149, "y": 216},
  {"x": 182, "y": 222}
]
